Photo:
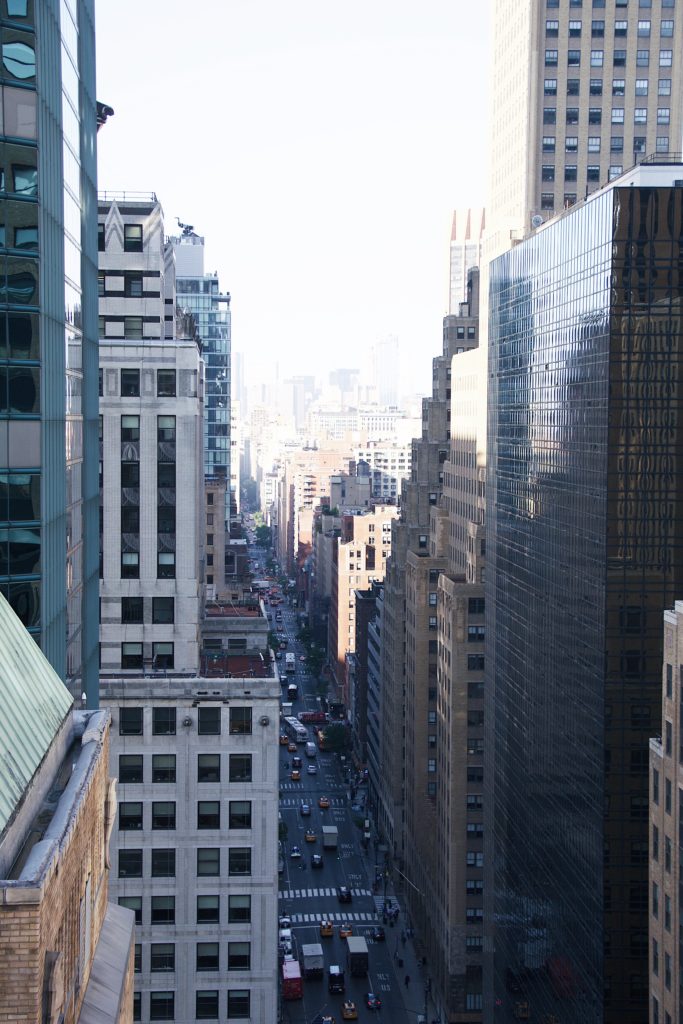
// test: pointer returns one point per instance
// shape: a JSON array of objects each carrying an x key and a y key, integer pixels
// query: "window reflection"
[
  {"x": 19, "y": 60},
  {"x": 19, "y": 108}
]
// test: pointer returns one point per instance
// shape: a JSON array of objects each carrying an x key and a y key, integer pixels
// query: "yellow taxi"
[
  {"x": 326, "y": 929},
  {"x": 310, "y": 836},
  {"x": 345, "y": 930},
  {"x": 295, "y": 775},
  {"x": 349, "y": 1011},
  {"x": 324, "y": 802},
  {"x": 284, "y": 739}
]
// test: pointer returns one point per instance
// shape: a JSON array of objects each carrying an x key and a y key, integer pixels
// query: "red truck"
[
  {"x": 312, "y": 717},
  {"x": 292, "y": 985}
]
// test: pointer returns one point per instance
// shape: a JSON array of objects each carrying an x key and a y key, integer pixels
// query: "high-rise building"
[
  {"x": 580, "y": 94},
  {"x": 200, "y": 293},
  {"x": 385, "y": 371},
  {"x": 666, "y": 817},
  {"x": 195, "y": 841},
  {"x": 48, "y": 400},
  {"x": 467, "y": 234},
  {"x": 583, "y": 513},
  {"x": 151, "y": 420}
]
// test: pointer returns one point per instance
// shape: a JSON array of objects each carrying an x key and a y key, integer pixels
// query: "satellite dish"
[{"x": 536, "y": 220}]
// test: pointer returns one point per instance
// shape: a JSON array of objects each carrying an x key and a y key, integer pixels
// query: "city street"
[{"x": 309, "y": 895}]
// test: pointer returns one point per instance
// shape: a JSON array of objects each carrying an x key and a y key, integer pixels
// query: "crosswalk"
[
  {"x": 357, "y": 917},
  {"x": 336, "y": 801},
  {"x": 390, "y": 902},
  {"x": 299, "y": 894},
  {"x": 295, "y": 801}
]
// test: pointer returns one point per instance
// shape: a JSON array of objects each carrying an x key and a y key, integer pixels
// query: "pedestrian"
[
  {"x": 407, "y": 980},
  {"x": 403, "y": 938}
]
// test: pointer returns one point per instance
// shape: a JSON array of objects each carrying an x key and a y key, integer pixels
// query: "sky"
[{"x": 319, "y": 147}]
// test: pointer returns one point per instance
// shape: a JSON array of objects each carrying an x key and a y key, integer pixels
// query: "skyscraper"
[
  {"x": 580, "y": 93},
  {"x": 200, "y": 293},
  {"x": 585, "y": 552},
  {"x": 48, "y": 346},
  {"x": 467, "y": 233}
]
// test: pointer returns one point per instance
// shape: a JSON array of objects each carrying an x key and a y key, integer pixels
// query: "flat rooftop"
[{"x": 232, "y": 611}]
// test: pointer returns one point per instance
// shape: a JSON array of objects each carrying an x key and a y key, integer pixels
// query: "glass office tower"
[
  {"x": 584, "y": 522},
  {"x": 201, "y": 294},
  {"x": 48, "y": 350}
]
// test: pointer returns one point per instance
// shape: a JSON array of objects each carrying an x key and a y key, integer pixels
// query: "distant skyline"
[{"x": 320, "y": 150}]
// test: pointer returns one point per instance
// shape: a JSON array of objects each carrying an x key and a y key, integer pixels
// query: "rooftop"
[{"x": 233, "y": 611}]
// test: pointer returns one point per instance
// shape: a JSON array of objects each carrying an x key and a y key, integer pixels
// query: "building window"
[
  {"x": 166, "y": 565},
  {"x": 240, "y": 768},
  {"x": 239, "y": 814},
  {"x": 548, "y": 172},
  {"x": 619, "y": 59},
  {"x": 595, "y": 87},
  {"x": 132, "y": 286},
  {"x": 163, "y": 721},
  {"x": 593, "y": 172},
  {"x": 132, "y": 327},
  {"x": 166, "y": 386},
  {"x": 663, "y": 115},
  {"x": 614, "y": 171},
  {"x": 552, "y": 29},
  {"x": 666, "y": 29},
  {"x": 548, "y": 144},
  {"x": 239, "y": 956},
  {"x": 208, "y": 861},
  {"x": 131, "y": 610},
  {"x": 131, "y": 655},
  {"x": 664, "y": 87},
  {"x": 130, "y": 863},
  {"x": 133, "y": 903},
  {"x": 573, "y": 86},
  {"x": 163, "y": 815},
  {"x": 549, "y": 115},
  {"x": 595, "y": 115},
  {"x": 597, "y": 29},
  {"x": 621, "y": 29},
  {"x": 163, "y": 910},
  {"x": 162, "y": 957},
  {"x": 130, "y": 768},
  {"x": 238, "y": 1004},
  {"x": 239, "y": 861},
  {"x": 130, "y": 383},
  {"x": 100, "y": 237},
  {"x": 639, "y": 144},
  {"x": 475, "y": 634},
  {"x": 571, "y": 144},
  {"x": 570, "y": 172},
  {"x": 240, "y": 721},
  {"x": 597, "y": 58},
  {"x": 594, "y": 144},
  {"x": 130, "y": 721},
  {"x": 573, "y": 58},
  {"x": 208, "y": 909},
  {"x": 130, "y": 570},
  {"x": 163, "y": 610},
  {"x": 163, "y": 863},
  {"x": 162, "y": 655},
  {"x": 574, "y": 29},
  {"x": 132, "y": 240},
  {"x": 239, "y": 909},
  {"x": 101, "y": 283},
  {"x": 617, "y": 115},
  {"x": 163, "y": 768},
  {"x": 616, "y": 144},
  {"x": 662, "y": 144},
  {"x": 130, "y": 816},
  {"x": 551, "y": 58},
  {"x": 667, "y": 796},
  {"x": 207, "y": 956},
  {"x": 550, "y": 87},
  {"x": 208, "y": 768},
  {"x": 208, "y": 814},
  {"x": 475, "y": 860}
]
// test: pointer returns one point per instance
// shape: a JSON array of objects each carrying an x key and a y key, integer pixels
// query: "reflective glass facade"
[
  {"x": 47, "y": 494},
  {"x": 211, "y": 310},
  {"x": 584, "y": 554}
]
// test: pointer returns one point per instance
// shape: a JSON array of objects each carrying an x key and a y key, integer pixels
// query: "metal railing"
[{"x": 127, "y": 197}]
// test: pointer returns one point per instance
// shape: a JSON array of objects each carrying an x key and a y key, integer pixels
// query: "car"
[
  {"x": 345, "y": 930},
  {"x": 326, "y": 929},
  {"x": 282, "y": 647},
  {"x": 378, "y": 935},
  {"x": 295, "y": 775},
  {"x": 285, "y": 921},
  {"x": 302, "y": 657},
  {"x": 323, "y": 1018},
  {"x": 291, "y": 748},
  {"x": 344, "y": 894},
  {"x": 305, "y": 809},
  {"x": 312, "y": 769},
  {"x": 278, "y": 655},
  {"x": 310, "y": 835},
  {"x": 295, "y": 853},
  {"x": 349, "y": 1011},
  {"x": 284, "y": 739},
  {"x": 317, "y": 860},
  {"x": 324, "y": 802},
  {"x": 372, "y": 1001}
]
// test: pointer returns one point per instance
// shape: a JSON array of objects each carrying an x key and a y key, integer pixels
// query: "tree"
[
  {"x": 335, "y": 737},
  {"x": 263, "y": 536}
]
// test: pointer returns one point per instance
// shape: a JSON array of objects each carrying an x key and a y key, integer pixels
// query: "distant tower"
[
  {"x": 385, "y": 370},
  {"x": 466, "y": 238}
]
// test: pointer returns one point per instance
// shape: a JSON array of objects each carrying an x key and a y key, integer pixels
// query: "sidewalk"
[{"x": 403, "y": 955}]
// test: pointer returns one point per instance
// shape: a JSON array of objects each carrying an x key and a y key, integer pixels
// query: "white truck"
[
  {"x": 330, "y": 837},
  {"x": 290, "y": 663},
  {"x": 313, "y": 960}
]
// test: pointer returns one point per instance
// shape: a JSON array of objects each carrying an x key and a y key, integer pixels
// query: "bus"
[
  {"x": 290, "y": 662},
  {"x": 295, "y": 730}
]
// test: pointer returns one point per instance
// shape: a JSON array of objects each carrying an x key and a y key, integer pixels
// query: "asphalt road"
[{"x": 309, "y": 895}]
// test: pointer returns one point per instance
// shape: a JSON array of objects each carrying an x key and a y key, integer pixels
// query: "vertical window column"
[
  {"x": 130, "y": 497},
  {"x": 166, "y": 497}
]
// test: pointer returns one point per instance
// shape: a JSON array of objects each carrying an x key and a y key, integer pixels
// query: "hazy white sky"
[{"x": 320, "y": 147}]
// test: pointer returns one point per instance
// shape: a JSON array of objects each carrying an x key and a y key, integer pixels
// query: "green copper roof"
[{"x": 33, "y": 704}]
